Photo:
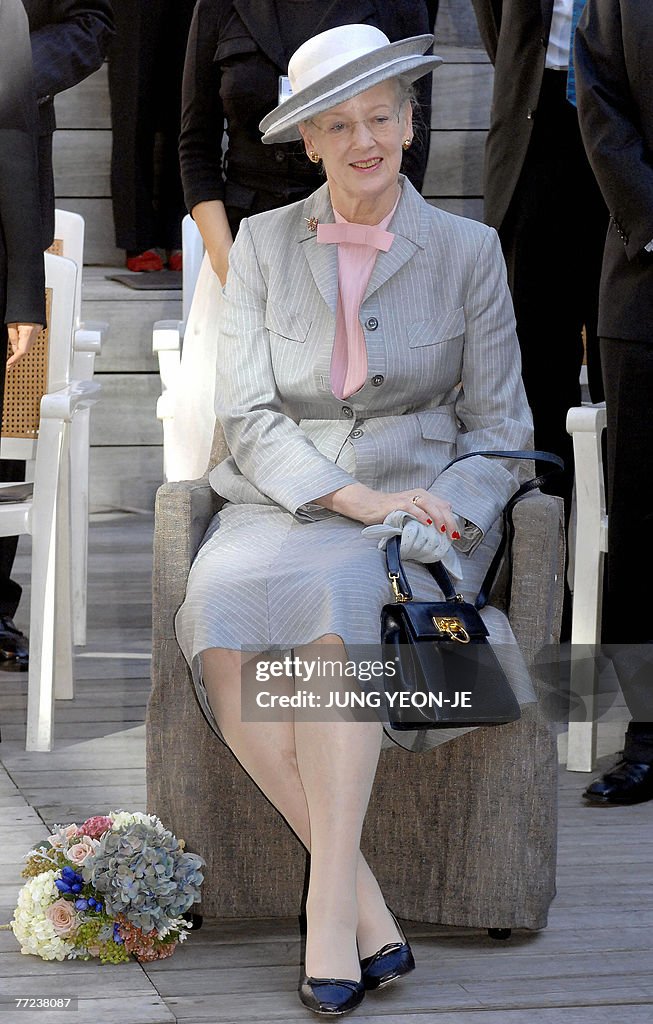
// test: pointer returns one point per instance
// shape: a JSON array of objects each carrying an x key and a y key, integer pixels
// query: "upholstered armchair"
[{"x": 462, "y": 835}]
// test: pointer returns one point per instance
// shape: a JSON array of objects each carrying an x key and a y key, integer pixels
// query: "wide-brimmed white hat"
[{"x": 338, "y": 64}]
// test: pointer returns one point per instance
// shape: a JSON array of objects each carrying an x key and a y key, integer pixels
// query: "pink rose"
[
  {"x": 78, "y": 852},
  {"x": 96, "y": 826},
  {"x": 63, "y": 917}
]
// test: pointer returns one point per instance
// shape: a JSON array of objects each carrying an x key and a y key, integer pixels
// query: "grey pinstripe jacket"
[{"x": 443, "y": 364}]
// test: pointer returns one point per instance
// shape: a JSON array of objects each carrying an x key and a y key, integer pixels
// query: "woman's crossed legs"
[{"x": 319, "y": 775}]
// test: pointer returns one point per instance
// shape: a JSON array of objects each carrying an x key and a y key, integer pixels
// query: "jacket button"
[
  {"x": 377, "y": 380},
  {"x": 371, "y": 323},
  {"x": 357, "y": 433},
  {"x": 346, "y": 411},
  {"x": 279, "y": 156}
]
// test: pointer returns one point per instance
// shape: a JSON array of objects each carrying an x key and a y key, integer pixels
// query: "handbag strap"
[{"x": 396, "y": 574}]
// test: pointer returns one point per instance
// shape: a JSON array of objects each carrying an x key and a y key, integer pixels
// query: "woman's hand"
[
  {"x": 356, "y": 501},
  {"x": 21, "y": 339}
]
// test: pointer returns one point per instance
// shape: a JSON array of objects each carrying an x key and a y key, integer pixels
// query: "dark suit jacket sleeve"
[
  {"x": 21, "y": 256},
  {"x": 202, "y": 113},
  {"x": 610, "y": 123},
  {"x": 72, "y": 46},
  {"x": 488, "y": 17}
]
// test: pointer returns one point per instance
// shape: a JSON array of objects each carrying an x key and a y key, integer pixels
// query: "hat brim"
[{"x": 402, "y": 59}]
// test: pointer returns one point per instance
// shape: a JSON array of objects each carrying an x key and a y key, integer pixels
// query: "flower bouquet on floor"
[{"x": 111, "y": 888}]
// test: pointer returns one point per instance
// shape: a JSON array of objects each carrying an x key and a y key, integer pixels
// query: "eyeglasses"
[{"x": 379, "y": 125}]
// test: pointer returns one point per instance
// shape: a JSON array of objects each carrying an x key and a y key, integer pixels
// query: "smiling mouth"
[{"x": 365, "y": 165}]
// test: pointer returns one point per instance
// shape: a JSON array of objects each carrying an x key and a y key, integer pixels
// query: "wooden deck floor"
[{"x": 592, "y": 965}]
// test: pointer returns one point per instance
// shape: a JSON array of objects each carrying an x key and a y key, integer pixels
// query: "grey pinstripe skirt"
[{"x": 267, "y": 581}]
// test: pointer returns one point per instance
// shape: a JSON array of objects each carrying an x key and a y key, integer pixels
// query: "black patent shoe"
[
  {"x": 629, "y": 782},
  {"x": 14, "y": 646},
  {"x": 390, "y": 962},
  {"x": 331, "y": 996}
]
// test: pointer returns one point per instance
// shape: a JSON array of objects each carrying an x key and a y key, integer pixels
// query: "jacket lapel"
[
  {"x": 262, "y": 24},
  {"x": 322, "y": 259},
  {"x": 408, "y": 229},
  {"x": 407, "y": 226}
]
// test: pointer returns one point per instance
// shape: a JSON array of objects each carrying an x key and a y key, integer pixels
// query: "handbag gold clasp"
[
  {"x": 453, "y": 628},
  {"x": 400, "y": 597}
]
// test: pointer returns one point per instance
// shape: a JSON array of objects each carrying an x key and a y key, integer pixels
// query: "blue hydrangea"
[{"x": 144, "y": 874}]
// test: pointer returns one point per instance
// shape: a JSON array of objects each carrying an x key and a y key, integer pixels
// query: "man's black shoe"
[
  {"x": 14, "y": 646},
  {"x": 629, "y": 782}
]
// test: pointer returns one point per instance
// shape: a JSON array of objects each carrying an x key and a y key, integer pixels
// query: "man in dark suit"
[
  {"x": 22, "y": 284},
  {"x": 614, "y": 70},
  {"x": 542, "y": 198},
  {"x": 69, "y": 41}
]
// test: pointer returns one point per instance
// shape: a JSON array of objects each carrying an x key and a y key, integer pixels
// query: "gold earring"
[
  {"x": 314, "y": 157},
  {"x": 406, "y": 144}
]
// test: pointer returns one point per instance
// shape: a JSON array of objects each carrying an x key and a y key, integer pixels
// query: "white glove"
[{"x": 419, "y": 543}]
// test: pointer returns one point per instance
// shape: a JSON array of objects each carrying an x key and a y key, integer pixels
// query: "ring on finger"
[{"x": 416, "y": 498}]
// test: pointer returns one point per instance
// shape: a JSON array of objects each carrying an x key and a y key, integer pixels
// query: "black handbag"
[{"x": 441, "y": 671}]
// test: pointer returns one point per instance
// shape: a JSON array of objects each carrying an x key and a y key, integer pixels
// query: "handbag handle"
[
  {"x": 397, "y": 576},
  {"x": 399, "y": 581}
]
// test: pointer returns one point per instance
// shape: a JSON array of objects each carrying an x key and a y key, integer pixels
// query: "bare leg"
[{"x": 266, "y": 750}]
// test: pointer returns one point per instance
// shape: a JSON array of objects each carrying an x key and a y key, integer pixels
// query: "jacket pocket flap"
[
  {"x": 286, "y": 324},
  {"x": 437, "y": 329},
  {"x": 233, "y": 47},
  {"x": 439, "y": 424}
]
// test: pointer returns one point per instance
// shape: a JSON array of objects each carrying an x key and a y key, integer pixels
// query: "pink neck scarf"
[{"x": 358, "y": 246}]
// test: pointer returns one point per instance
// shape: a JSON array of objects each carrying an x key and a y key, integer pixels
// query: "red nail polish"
[
  {"x": 443, "y": 529},
  {"x": 429, "y": 522},
  {"x": 455, "y": 535}
]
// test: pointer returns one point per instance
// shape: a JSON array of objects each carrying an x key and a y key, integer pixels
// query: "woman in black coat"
[
  {"x": 236, "y": 60},
  {"x": 22, "y": 284}
]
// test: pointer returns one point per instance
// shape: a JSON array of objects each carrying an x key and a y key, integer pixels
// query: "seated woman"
[{"x": 367, "y": 339}]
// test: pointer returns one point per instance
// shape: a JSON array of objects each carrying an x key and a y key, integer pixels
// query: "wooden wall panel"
[
  {"x": 99, "y": 245},
  {"x": 128, "y": 347},
  {"x": 462, "y": 96},
  {"x": 82, "y": 162},
  {"x": 126, "y": 411},
  {"x": 125, "y": 477},
  {"x": 462, "y": 206},
  {"x": 87, "y": 105},
  {"x": 455, "y": 165}
]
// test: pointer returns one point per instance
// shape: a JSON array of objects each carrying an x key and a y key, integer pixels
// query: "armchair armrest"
[
  {"x": 166, "y": 335},
  {"x": 63, "y": 403},
  {"x": 166, "y": 342},
  {"x": 89, "y": 335},
  {"x": 184, "y": 510},
  {"x": 538, "y": 565}
]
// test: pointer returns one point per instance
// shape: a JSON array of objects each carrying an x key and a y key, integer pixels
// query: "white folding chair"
[
  {"x": 87, "y": 344},
  {"x": 586, "y": 425},
  {"x": 46, "y": 515}
]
